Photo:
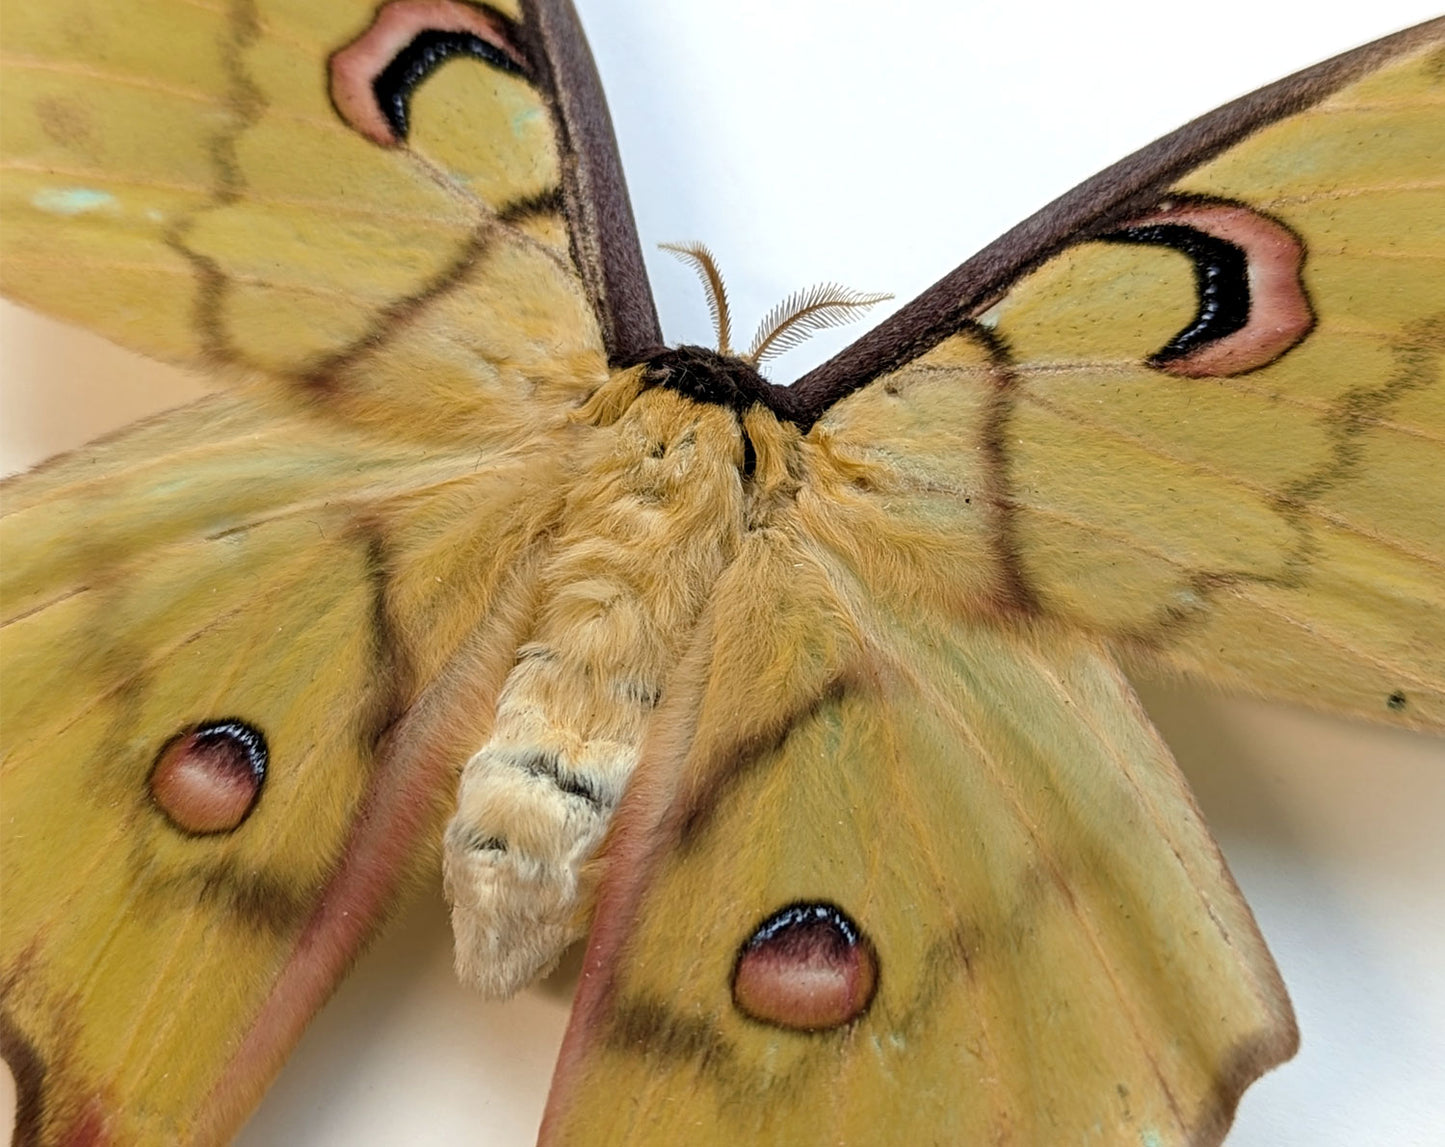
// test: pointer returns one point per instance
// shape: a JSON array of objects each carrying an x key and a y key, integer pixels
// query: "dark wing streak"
[
  {"x": 742, "y": 759},
  {"x": 325, "y": 377},
  {"x": 641, "y": 1025},
  {"x": 605, "y": 246},
  {"x": 1016, "y": 593},
  {"x": 1351, "y": 418},
  {"x": 27, "y": 1068},
  {"x": 1129, "y": 187},
  {"x": 1156, "y": 636},
  {"x": 246, "y": 106},
  {"x": 1355, "y": 412},
  {"x": 549, "y": 202},
  {"x": 375, "y": 334},
  {"x": 394, "y": 679}
]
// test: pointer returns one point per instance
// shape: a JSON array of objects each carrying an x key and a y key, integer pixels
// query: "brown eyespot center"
[
  {"x": 208, "y": 778},
  {"x": 808, "y": 967}
]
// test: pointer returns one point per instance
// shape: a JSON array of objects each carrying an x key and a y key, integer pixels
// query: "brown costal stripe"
[
  {"x": 1133, "y": 186},
  {"x": 609, "y": 254},
  {"x": 604, "y": 234}
]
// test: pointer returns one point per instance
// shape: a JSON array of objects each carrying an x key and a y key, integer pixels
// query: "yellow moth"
[{"x": 819, "y": 234}]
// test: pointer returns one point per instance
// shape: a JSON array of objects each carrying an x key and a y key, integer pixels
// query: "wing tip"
[{"x": 1250, "y": 1059}]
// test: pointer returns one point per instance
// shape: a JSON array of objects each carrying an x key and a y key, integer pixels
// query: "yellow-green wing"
[
  {"x": 247, "y": 645},
  {"x": 245, "y": 653},
  {"x": 885, "y": 880},
  {"x": 1085, "y": 424},
  {"x": 318, "y": 192}
]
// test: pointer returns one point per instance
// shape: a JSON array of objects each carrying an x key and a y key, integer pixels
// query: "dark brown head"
[
  {"x": 704, "y": 375},
  {"x": 726, "y": 379}
]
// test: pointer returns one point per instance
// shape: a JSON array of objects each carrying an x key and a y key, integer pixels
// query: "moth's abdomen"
[{"x": 648, "y": 528}]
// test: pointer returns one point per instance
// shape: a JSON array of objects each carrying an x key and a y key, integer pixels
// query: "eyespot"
[
  {"x": 808, "y": 967},
  {"x": 208, "y": 778},
  {"x": 1248, "y": 268},
  {"x": 373, "y": 77}
]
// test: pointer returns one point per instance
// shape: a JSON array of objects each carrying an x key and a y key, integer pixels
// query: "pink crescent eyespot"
[
  {"x": 373, "y": 77},
  {"x": 1249, "y": 273}
]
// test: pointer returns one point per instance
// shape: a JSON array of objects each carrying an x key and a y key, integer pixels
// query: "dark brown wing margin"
[
  {"x": 1097, "y": 205},
  {"x": 604, "y": 235}
]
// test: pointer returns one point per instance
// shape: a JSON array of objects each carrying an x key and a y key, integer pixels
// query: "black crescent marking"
[
  {"x": 1129, "y": 189},
  {"x": 428, "y": 51},
  {"x": 1221, "y": 282},
  {"x": 244, "y": 737},
  {"x": 801, "y": 915}
]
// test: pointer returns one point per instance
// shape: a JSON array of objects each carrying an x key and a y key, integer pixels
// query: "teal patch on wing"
[{"x": 72, "y": 200}]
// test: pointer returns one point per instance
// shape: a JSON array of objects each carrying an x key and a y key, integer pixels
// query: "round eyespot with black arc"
[
  {"x": 207, "y": 778},
  {"x": 807, "y": 967}
]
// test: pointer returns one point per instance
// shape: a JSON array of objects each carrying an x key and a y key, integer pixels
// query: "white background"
[{"x": 878, "y": 146}]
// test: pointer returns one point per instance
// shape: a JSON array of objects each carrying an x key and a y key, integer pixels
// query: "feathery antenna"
[
  {"x": 789, "y": 323},
  {"x": 802, "y": 313},
  {"x": 701, "y": 260}
]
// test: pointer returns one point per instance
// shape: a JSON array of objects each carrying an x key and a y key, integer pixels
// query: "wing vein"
[
  {"x": 997, "y": 773},
  {"x": 1307, "y": 506},
  {"x": 1242, "y": 586},
  {"x": 345, "y": 206},
  {"x": 907, "y": 797}
]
